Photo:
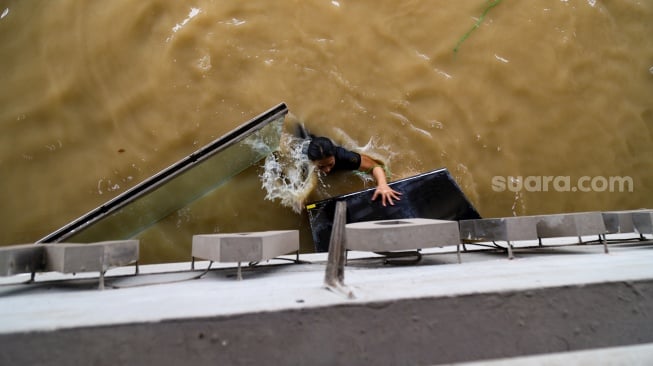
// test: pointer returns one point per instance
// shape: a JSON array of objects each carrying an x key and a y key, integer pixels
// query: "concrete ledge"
[
  {"x": 643, "y": 222},
  {"x": 570, "y": 224},
  {"x": 505, "y": 228},
  {"x": 419, "y": 315},
  {"x": 17, "y": 259},
  {"x": 423, "y": 330},
  {"x": 402, "y": 234},
  {"x": 245, "y": 247},
  {"x": 74, "y": 257}
]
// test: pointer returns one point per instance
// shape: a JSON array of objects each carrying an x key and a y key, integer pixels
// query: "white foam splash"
[
  {"x": 422, "y": 56},
  {"x": 502, "y": 59},
  {"x": 373, "y": 147},
  {"x": 288, "y": 175},
  {"x": 422, "y": 131},
  {"x": 235, "y": 22},
  {"x": 193, "y": 13},
  {"x": 204, "y": 63},
  {"x": 403, "y": 119},
  {"x": 107, "y": 185},
  {"x": 442, "y": 73}
]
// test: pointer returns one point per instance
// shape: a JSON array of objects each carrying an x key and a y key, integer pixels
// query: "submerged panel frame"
[{"x": 160, "y": 179}]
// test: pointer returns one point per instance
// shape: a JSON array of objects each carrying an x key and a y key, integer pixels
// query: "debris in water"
[{"x": 477, "y": 24}]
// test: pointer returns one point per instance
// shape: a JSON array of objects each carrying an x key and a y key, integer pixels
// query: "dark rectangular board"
[{"x": 431, "y": 195}]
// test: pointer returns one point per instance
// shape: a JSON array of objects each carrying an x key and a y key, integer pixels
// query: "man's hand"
[{"x": 387, "y": 194}]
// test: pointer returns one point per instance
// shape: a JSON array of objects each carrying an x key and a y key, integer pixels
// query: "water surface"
[{"x": 98, "y": 95}]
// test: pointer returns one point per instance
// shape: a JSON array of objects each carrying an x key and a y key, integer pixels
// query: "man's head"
[{"x": 321, "y": 151}]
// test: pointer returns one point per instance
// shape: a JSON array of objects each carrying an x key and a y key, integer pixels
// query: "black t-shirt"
[{"x": 346, "y": 160}]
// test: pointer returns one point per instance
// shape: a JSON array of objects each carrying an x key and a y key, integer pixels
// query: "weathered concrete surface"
[
  {"x": 403, "y": 234},
  {"x": 551, "y": 300},
  {"x": 120, "y": 252},
  {"x": 643, "y": 222},
  {"x": 556, "y": 225},
  {"x": 26, "y": 258},
  {"x": 504, "y": 228},
  {"x": 245, "y": 247},
  {"x": 73, "y": 257},
  {"x": 618, "y": 222},
  {"x": 406, "y": 331},
  {"x": 67, "y": 257},
  {"x": 570, "y": 224}
]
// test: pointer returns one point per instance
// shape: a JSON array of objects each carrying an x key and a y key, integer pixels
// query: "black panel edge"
[{"x": 391, "y": 184}]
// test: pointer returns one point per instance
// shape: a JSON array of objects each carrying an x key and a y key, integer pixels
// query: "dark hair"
[{"x": 320, "y": 148}]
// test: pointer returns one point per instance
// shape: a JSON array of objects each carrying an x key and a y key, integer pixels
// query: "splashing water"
[
  {"x": 290, "y": 177},
  {"x": 288, "y": 174},
  {"x": 381, "y": 153}
]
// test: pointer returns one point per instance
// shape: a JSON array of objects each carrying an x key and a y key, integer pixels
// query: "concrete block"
[
  {"x": 643, "y": 221},
  {"x": 16, "y": 259},
  {"x": 504, "y": 228},
  {"x": 119, "y": 253},
  {"x": 74, "y": 257},
  {"x": 570, "y": 224},
  {"x": 401, "y": 234},
  {"x": 245, "y": 247},
  {"x": 618, "y": 221}
]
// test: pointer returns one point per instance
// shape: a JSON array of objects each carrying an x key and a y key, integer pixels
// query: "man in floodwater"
[{"x": 328, "y": 157}]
